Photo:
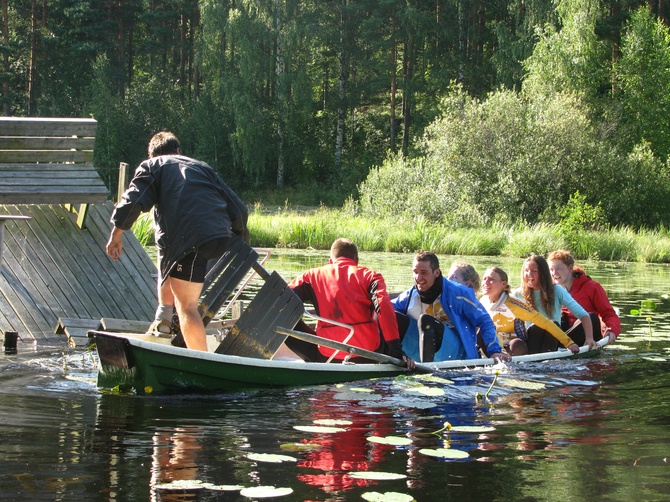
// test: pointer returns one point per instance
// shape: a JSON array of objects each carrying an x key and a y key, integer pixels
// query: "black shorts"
[{"x": 193, "y": 266}]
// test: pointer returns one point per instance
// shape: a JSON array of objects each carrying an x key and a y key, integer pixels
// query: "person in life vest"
[
  {"x": 442, "y": 318},
  {"x": 348, "y": 293}
]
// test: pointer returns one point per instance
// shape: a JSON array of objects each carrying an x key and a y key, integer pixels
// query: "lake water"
[{"x": 589, "y": 429}]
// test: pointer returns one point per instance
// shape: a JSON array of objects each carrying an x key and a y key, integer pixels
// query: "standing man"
[
  {"x": 351, "y": 294},
  {"x": 195, "y": 213}
]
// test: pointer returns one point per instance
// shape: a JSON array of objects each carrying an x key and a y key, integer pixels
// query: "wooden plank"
[
  {"x": 224, "y": 277},
  {"x": 45, "y": 156},
  {"x": 5, "y": 169},
  {"x": 55, "y": 196},
  {"x": 254, "y": 334},
  {"x": 50, "y": 126},
  {"x": 134, "y": 275},
  {"x": 47, "y": 270},
  {"x": 34, "y": 288},
  {"x": 96, "y": 267},
  {"x": 124, "y": 325},
  {"x": 46, "y": 143}
]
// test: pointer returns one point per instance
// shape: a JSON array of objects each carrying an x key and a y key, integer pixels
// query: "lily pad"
[
  {"x": 376, "y": 475},
  {"x": 444, "y": 453},
  {"x": 390, "y": 440},
  {"x": 269, "y": 457},
  {"x": 332, "y": 422},
  {"x": 427, "y": 377},
  {"x": 299, "y": 447},
  {"x": 318, "y": 429},
  {"x": 223, "y": 488},
  {"x": 425, "y": 391},
  {"x": 181, "y": 484},
  {"x": 351, "y": 395},
  {"x": 260, "y": 492},
  {"x": 520, "y": 384},
  {"x": 470, "y": 428},
  {"x": 387, "y": 497}
]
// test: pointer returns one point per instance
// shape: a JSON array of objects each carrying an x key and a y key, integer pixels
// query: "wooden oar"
[{"x": 332, "y": 344}]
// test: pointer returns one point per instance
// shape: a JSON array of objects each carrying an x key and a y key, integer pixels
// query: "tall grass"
[{"x": 318, "y": 230}]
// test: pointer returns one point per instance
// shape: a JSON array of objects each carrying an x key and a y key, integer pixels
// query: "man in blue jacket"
[
  {"x": 443, "y": 317},
  {"x": 195, "y": 213}
]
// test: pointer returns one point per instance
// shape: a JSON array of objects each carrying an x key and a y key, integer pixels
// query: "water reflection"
[{"x": 580, "y": 430}]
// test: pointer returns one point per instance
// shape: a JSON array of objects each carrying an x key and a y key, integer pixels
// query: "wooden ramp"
[{"x": 52, "y": 269}]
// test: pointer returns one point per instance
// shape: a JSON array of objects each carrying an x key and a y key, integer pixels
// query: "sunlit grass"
[{"x": 318, "y": 228}]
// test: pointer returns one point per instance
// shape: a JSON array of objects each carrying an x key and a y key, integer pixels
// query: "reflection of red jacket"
[
  {"x": 344, "y": 292},
  {"x": 591, "y": 295}
]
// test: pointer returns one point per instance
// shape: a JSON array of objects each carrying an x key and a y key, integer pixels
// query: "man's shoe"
[{"x": 161, "y": 328}]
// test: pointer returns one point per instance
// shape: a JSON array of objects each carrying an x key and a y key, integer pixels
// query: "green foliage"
[
  {"x": 643, "y": 76},
  {"x": 505, "y": 159},
  {"x": 577, "y": 217}
]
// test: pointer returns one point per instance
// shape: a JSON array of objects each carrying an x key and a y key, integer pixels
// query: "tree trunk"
[
  {"x": 281, "y": 104},
  {"x": 407, "y": 93},
  {"x": 341, "y": 111},
  {"x": 6, "y": 107},
  {"x": 394, "y": 83},
  {"x": 32, "y": 71}
]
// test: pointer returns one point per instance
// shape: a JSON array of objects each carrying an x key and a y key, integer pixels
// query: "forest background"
[{"x": 421, "y": 119}]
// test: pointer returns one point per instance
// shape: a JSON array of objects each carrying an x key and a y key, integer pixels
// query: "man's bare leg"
[{"x": 186, "y": 296}]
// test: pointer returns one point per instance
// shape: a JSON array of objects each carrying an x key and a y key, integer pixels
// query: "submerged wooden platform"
[{"x": 52, "y": 269}]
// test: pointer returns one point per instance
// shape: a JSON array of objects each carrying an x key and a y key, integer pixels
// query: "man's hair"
[
  {"x": 430, "y": 257},
  {"x": 163, "y": 143},
  {"x": 344, "y": 248},
  {"x": 563, "y": 255}
]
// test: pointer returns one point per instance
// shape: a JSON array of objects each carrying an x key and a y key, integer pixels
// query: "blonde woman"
[{"x": 504, "y": 310}]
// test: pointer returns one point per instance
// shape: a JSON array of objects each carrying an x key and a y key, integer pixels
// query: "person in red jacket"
[
  {"x": 351, "y": 294},
  {"x": 587, "y": 292}
]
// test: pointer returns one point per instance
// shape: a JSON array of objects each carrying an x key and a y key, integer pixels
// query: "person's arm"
[
  {"x": 481, "y": 319},
  {"x": 114, "y": 246},
  {"x": 386, "y": 317},
  {"x": 604, "y": 309},
  {"x": 522, "y": 311},
  {"x": 237, "y": 211},
  {"x": 578, "y": 311}
]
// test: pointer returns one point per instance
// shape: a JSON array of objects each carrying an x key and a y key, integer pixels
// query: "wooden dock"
[{"x": 52, "y": 270}]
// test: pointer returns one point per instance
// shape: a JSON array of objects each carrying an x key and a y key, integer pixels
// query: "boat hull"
[{"x": 146, "y": 365}]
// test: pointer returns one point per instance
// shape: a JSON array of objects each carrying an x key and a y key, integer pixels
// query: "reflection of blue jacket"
[{"x": 465, "y": 312}]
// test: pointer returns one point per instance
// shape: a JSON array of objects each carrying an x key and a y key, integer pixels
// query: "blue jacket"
[{"x": 465, "y": 312}]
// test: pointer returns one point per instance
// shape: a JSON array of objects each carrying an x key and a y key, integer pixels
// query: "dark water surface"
[{"x": 590, "y": 429}]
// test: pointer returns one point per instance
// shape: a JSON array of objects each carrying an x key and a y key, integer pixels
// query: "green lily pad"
[
  {"x": 299, "y": 447},
  {"x": 387, "y": 497},
  {"x": 223, "y": 488},
  {"x": 520, "y": 384},
  {"x": 181, "y": 484},
  {"x": 444, "y": 453},
  {"x": 424, "y": 391},
  {"x": 349, "y": 395},
  {"x": 260, "y": 492},
  {"x": 332, "y": 422},
  {"x": 376, "y": 475},
  {"x": 269, "y": 457},
  {"x": 471, "y": 428},
  {"x": 427, "y": 377},
  {"x": 318, "y": 429},
  {"x": 390, "y": 440}
]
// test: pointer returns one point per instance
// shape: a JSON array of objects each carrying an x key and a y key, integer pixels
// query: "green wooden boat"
[{"x": 146, "y": 364}]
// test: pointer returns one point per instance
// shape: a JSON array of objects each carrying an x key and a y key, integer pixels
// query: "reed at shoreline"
[{"x": 317, "y": 229}]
